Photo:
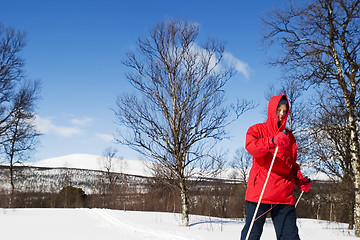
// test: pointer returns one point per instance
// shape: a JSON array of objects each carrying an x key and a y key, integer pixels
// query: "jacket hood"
[{"x": 272, "y": 119}]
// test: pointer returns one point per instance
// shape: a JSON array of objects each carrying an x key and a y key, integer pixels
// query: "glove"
[
  {"x": 281, "y": 140},
  {"x": 306, "y": 186}
]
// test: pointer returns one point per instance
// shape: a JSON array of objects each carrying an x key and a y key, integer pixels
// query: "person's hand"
[
  {"x": 306, "y": 187},
  {"x": 281, "y": 140}
]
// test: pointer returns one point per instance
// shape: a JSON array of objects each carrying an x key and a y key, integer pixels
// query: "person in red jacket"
[{"x": 278, "y": 198}]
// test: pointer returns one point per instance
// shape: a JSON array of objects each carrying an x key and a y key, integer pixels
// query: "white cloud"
[
  {"x": 77, "y": 126},
  {"x": 202, "y": 52},
  {"x": 84, "y": 121},
  {"x": 228, "y": 59},
  {"x": 46, "y": 126},
  {"x": 240, "y": 66},
  {"x": 66, "y": 131},
  {"x": 105, "y": 137}
]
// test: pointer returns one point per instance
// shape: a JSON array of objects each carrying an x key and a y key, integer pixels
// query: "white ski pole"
[
  {"x": 302, "y": 192},
  {"x": 261, "y": 195}
]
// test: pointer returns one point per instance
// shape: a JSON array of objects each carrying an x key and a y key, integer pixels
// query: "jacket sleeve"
[
  {"x": 256, "y": 145},
  {"x": 300, "y": 180}
]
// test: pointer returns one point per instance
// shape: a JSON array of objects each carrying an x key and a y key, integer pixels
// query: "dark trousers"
[{"x": 283, "y": 216}]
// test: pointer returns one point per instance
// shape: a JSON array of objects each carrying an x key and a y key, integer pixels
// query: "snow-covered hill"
[
  {"x": 93, "y": 162},
  {"x": 95, "y": 224}
]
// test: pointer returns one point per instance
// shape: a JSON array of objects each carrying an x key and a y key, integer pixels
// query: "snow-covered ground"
[{"x": 88, "y": 224}]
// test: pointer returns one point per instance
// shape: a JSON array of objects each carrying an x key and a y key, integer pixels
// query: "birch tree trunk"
[
  {"x": 356, "y": 170},
  {"x": 184, "y": 203}
]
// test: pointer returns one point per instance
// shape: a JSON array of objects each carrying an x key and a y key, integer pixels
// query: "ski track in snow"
[{"x": 134, "y": 228}]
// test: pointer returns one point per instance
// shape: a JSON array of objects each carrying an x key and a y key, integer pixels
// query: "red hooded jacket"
[{"x": 285, "y": 172}]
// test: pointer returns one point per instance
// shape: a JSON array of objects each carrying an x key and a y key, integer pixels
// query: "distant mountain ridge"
[{"x": 93, "y": 162}]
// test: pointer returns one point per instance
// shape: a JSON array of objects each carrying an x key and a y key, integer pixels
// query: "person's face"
[{"x": 281, "y": 112}]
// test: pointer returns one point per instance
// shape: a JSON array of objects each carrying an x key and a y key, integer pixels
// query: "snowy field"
[{"x": 88, "y": 224}]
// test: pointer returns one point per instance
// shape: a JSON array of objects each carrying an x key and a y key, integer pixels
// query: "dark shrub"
[{"x": 70, "y": 197}]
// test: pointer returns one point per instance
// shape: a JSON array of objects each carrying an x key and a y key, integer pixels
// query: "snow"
[
  {"x": 77, "y": 224},
  {"x": 93, "y": 162}
]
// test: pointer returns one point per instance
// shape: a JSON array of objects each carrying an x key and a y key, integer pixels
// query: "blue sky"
[{"x": 75, "y": 47}]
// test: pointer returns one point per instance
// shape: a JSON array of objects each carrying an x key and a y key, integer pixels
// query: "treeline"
[{"x": 77, "y": 188}]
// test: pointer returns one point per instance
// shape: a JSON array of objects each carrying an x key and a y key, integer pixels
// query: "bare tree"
[
  {"x": 330, "y": 152},
  {"x": 179, "y": 113},
  {"x": 11, "y": 71},
  {"x": 242, "y": 163},
  {"x": 17, "y": 99},
  {"x": 112, "y": 165},
  {"x": 21, "y": 136},
  {"x": 320, "y": 40}
]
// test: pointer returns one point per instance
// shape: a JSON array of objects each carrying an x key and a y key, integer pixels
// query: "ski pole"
[
  {"x": 302, "y": 192},
  {"x": 261, "y": 195}
]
